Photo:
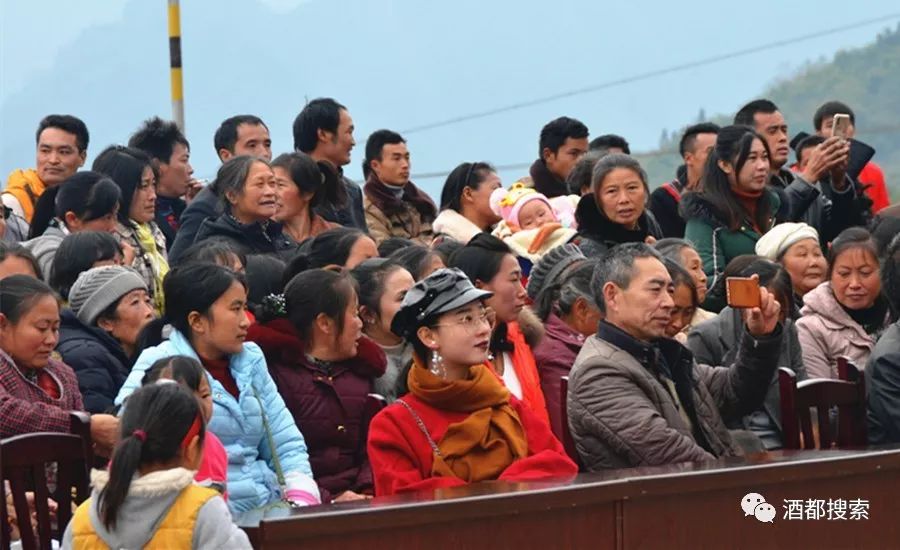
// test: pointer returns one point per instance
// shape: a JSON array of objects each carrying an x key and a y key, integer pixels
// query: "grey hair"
[
  {"x": 613, "y": 161},
  {"x": 617, "y": 267},
  {"x": 232, "y": 176},
  {"x": 671, "y": 248}
]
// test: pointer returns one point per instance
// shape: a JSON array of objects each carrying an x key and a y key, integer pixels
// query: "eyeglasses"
[{"x": 470, "y": 321}]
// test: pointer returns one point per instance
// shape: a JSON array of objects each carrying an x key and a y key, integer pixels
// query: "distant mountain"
[{"x": 867, "y": 79}]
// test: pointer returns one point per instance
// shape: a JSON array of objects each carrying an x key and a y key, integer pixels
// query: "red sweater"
[{"x": 401, "y": 456}]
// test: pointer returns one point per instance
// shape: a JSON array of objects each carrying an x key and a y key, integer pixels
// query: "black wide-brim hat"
[{"x": 442, "y": 291}]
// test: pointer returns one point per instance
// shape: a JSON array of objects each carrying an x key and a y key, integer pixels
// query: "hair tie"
[{"x": 140, "y": 435}]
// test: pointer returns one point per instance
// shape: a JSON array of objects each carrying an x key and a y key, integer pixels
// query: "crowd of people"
[{"x": 283, "y": 337}]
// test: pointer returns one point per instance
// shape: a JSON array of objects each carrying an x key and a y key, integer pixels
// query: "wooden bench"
[{"x": 677, "y": 506}]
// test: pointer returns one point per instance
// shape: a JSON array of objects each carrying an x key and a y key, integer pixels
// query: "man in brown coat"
[
  {"x": 637, "y": 398},
  {"x": 394, "y": 206}
]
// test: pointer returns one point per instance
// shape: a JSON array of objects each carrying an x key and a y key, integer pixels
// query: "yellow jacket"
[{"x": 27, "y": 188}]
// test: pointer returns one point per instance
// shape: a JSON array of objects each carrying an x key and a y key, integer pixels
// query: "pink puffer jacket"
[{"x": 827, "y": 332}]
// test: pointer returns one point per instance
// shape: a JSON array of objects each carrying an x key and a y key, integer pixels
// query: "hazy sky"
[{"x": 401, "y": 64}]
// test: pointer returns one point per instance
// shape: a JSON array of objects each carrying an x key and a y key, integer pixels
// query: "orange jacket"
[
  {"x": 27, "y": 188},
  {"x": 526, "y": 371}
]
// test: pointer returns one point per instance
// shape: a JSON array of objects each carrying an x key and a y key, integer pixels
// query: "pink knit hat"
[{"x": 507, "y": 203}]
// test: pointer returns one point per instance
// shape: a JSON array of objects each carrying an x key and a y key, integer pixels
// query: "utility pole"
[{"x": 175, "y": 63}]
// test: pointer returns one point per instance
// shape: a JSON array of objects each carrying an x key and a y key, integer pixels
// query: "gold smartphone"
[
  {"x": 840, "y": 126},
  {"x": 742, "y": 292}
]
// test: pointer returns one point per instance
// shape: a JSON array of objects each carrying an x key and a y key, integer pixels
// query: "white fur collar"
[
  {"x": 455, "y": 225},
  {"x": 151, "y": 485}
]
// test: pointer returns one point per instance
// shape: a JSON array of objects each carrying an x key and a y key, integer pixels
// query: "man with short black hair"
[
  {"x": 243, "y": 135},
  {"x": 62, "y": 142},
  {"x": 610, "y": 143},
  {"x": 563, "y": 142},
  {"x": 394, "y": 206},
  {"x": 871, "y": 177},
  {"x": 822, "y": 195},
  {"x": 638, "y": 398},
  {"x": 236, "y": 136},
  {"x": 695, "y": 145},
  {"x": 324, "y": 131},
  {"x": 171, "y": 156}
]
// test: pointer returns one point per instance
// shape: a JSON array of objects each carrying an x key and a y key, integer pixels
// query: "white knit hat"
[{"x": 776, "y": 242}]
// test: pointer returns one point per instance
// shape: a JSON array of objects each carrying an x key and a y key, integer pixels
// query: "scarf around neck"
[
  {"x": 386, "y": 199},
  {"x": 491, "y": 438}
]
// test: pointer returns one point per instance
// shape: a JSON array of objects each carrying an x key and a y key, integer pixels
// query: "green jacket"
[{"x": 715, "y": 242}]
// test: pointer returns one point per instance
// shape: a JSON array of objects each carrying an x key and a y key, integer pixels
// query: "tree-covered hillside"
[{"x": 867, "y": 79}]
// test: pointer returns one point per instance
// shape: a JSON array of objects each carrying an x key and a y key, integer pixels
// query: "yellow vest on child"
[{"x": 175, "y": 531}]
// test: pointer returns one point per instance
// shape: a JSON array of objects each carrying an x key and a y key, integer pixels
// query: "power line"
[
  {"x": 651, "y": 74},
  {"x": 881, "y": 129}
]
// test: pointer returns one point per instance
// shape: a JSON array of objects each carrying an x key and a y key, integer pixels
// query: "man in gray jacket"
[{"x": 637, "y": 398}]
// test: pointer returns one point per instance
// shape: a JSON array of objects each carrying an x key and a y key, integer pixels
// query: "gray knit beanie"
[
  {"x": 100, "y": 287},
  {"x": 551, "y": 266}
]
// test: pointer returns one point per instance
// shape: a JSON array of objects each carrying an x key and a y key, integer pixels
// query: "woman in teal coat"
[{"x": 734, "y": 208}]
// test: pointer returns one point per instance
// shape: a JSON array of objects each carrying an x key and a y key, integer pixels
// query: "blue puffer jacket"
[{"x": 252, "y": 482}]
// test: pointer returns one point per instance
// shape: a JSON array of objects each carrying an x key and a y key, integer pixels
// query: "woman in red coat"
[
  {"x": 458, "y": 424},
  {"x": 324, "y": 369}
]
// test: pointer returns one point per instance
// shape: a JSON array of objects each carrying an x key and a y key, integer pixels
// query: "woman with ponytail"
[
  {"x": 267, "y": 458},
  {"x": 147, "y": 497},
  {"x": 325, "y": 368},
  {"x": 735, "y": 208}
]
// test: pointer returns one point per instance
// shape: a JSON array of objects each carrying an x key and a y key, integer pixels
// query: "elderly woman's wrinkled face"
[
  {"x": 622, "y": 196},
  {"x": 806, "y": 264}
]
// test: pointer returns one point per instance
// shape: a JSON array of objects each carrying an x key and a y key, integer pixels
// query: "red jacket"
[
  {"x": 328, "y": 405},
  {"x": 402, "y": 458},
  {"x": 872, "y": 179}
]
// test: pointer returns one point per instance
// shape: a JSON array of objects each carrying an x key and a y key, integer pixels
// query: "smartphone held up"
[{"x": 743, "y": 292}]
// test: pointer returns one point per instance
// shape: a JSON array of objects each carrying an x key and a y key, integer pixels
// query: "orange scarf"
[{"x": 491, "y": 438}]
